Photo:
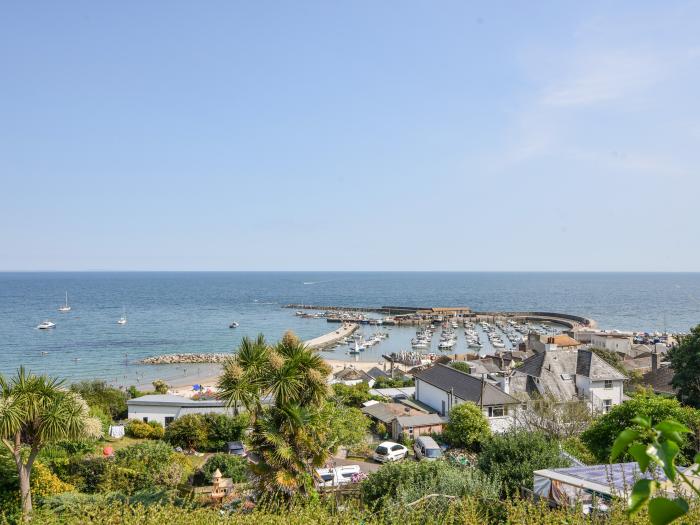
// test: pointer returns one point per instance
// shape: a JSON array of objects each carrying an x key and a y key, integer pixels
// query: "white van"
[
  {"x": 425, "y": 447},
  {"x": 340, "y": 475}
]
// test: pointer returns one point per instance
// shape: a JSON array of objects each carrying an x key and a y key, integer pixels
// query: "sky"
[{"x": 363, "y": 135}]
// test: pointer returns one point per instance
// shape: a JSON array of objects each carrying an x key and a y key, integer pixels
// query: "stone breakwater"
[{"x": 177, "y": 359}]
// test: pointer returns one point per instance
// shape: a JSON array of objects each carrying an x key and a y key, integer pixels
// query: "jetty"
[
  {"x": 331, "y": 338},
  {"x": 318, "y": 343}
]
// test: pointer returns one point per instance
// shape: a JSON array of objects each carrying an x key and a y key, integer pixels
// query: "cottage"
[
  {"x": 568, "y": 375},
  {"x": 352, "y": 376},
  {"x": 166, "y": 408},
  {"x": 442, "y": 387}
]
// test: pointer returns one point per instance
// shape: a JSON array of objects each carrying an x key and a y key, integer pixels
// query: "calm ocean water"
[{"x": 190, "y": 312}]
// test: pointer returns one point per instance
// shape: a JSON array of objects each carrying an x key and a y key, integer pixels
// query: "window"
[
  {"x": 145, "y": 420},
  {"x": 497, "y": 411},
  {"x": 410, "y": 431},
  {"x": 442, "y": 413},
  {"x": 397, "y": 447},
  {"x": 608, "y": 384},
  {"x": 168, "y": 420},
  {"x": 607, "y": 405}
]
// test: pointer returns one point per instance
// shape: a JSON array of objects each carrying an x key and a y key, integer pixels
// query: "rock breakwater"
[{"x": 176, "y": 359}]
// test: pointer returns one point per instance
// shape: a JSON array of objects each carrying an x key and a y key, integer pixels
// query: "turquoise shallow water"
[{"x": 190, "y": 312}]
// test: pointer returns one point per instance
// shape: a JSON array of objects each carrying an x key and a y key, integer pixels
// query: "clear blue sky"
[{"x": 392, "y": 135}]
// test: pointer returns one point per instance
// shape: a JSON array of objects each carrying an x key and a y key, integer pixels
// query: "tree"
[
  {"x": 98, "y": 393},
  {"x": 36, "y": 411},
  {"x": 230, "y": 466},
  {"x": 461, "y": 366},
  {"x": 514, "y": 455},
  {"x": 160, "y": 386},
  {"x": 685, "y": 361},
  {"x": 602, "y": 433},
  {"x": 188, "y": 432},
  {"x": 557, "y": 419},
  {"x": 348, "y": 426},
  {"x": 292, "y": 436},
  {"x": 352, "y": 395},
  {"x": 467, "y": 428}
]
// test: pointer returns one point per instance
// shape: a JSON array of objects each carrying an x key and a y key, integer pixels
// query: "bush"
[
  {"x": 405, "y": 482},
  {"x": 600, "y": 436},
  {"x": 231, "y": 466},
  {"x": 512, "y": 457},
  {"x": 221, "y": 429},
  {"x": 45, "y": 483},
  {"x": 468, "y": 427},
  {"x": 388, "y": 382},
  {"x": 98, "y": 393},
  {"x": 352, "y": 396},
  {"x": 208, "y": 432},
  {"x": 104, "y": 417},
  {"x": 142, "y": 430},
  {"x": 160, "y": 386},
  {"x": 579, "y": 450},
  {"x": 461, "y": 366},
  {"x": 148, "y": 464}
]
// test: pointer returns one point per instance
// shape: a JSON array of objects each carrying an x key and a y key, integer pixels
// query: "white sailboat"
[
  {"x": 122, "y": 319},
  {"x": 65, "y": 307}
]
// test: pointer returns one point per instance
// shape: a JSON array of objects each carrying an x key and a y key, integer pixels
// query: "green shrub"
[
  {"x": 230, "y": 466},
  {"x": 467, "y": 428},
  {"x": 579, "y": 450},
  {"x": 187, "y": 432},
  {"x": 142, "y": 430},
  {"x": 98, "y": 393},
  {"x": 600, "y": 437},
  {"x": 148, "y": 464},
  {"x": 512, "y": 457},
  {"x": 461, "y": 366},
  {"x": 404, "y": 482},
  {"x": 221, "y": 429}
]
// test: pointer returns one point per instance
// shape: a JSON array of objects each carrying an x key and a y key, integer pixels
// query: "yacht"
[
  {"x": 233, "y": 324},
  {"x": 46, "y": 325},
  {"x": 64, "y": 307}
]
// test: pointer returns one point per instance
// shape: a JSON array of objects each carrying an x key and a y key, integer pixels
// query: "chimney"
[
  {"x": 654, "y": 361},
  {"x": 506, "y": 384}
]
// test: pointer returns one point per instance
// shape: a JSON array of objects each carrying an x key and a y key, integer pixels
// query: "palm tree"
[
  {"x": 289, "y": 436},
  {"x": 36, "y": 411}
]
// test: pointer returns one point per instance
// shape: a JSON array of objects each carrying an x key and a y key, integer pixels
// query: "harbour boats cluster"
[{"x": 358, "y": 343}]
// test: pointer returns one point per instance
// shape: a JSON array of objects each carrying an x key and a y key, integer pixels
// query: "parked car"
[
  {"x": 389, "y": 451},
  {"x": 237, "y": 448},
  {"x": 425, "y": 447},
  {"x": 340, "y": 475}
]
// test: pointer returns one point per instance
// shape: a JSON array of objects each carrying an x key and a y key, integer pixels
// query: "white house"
[
  {"x": 166, "y": 408},
  {"x": 442, "y": 387},
  {"x": 568, "y": 375}
]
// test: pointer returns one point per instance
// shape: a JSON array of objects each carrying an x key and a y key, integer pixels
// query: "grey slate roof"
[
  {"x": 464, "y": 386},
  {"x": 660, "y": 380},
  {"x": 377, "y": 372},
  {"x": 422, "y": 420},
  {"x": 172, "y": 400},
  {"x": 596, "y": 368}
]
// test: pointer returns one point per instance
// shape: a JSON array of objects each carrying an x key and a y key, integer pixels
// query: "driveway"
[{"x": 365, "y": 466}]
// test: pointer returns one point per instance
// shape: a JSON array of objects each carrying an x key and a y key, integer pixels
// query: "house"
[
  {"x": 614, "y": 341},
  {"x": 543, "y": 343},
  {"x": 166, "y": 408},
  {"x": 568, "y": 375},
  {"x": 443, "y": 387},
  {"x": 401, "y": 418},
  {"x": 660, "y": 377},
  {"x": 351, "y": 376}
]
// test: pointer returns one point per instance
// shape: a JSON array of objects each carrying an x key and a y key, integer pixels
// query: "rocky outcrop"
[{"x": 176, "y": 359}]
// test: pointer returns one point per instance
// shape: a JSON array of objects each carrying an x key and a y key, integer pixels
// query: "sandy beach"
[{"x": 184, "y": 386}]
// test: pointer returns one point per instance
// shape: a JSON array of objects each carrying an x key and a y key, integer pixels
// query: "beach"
[{"x": 208, "y": 379}]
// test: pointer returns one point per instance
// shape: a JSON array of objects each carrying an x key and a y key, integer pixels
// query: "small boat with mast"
[
  {"x": 64, "y": 307},
  {"x": 122, "y": 320}
]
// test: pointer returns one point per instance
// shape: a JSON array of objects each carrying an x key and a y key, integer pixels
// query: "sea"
[{"x": 178, "y": 312}]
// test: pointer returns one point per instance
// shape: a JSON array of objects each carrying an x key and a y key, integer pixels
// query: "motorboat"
[
  {"x": 46, "y": 325},
  {"x": 64, "y": 307},
  {"x": 233, "y": 324}
]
